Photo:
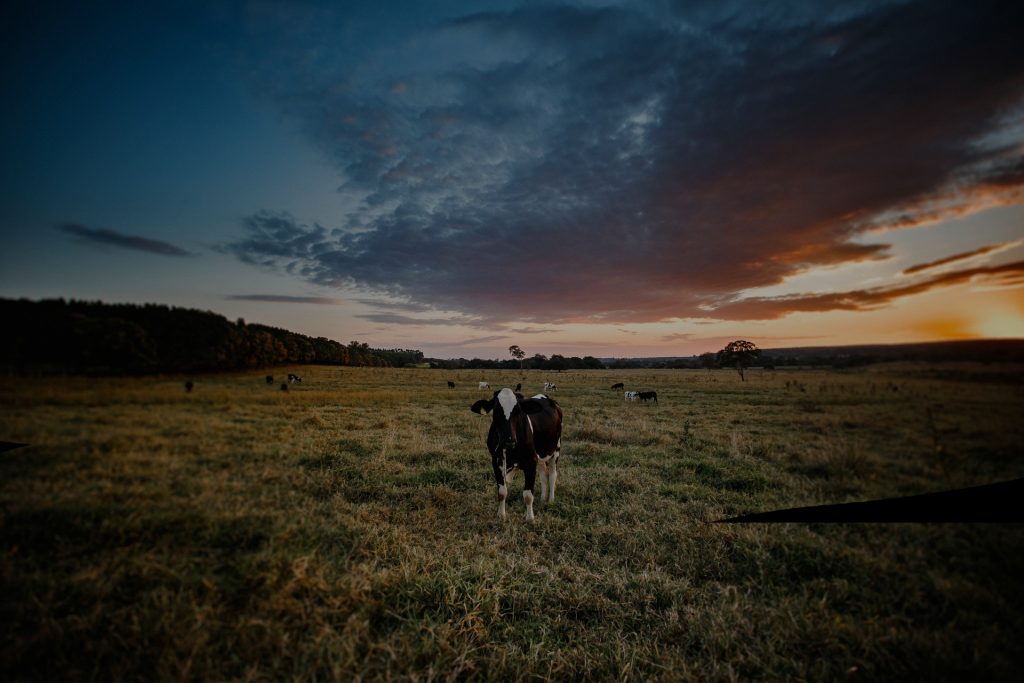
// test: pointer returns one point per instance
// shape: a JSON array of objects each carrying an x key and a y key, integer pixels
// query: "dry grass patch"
[{"x": 346, "y": 528}]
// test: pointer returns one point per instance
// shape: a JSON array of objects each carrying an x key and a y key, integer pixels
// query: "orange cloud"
[
  {"x": 988, "y": 249},
  {"x": 770, "y": 308}
]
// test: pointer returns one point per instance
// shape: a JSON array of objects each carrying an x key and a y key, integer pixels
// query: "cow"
[
  {"x": 648, "y": 395},
  {"x": 519, "y": 387},
  {"x": 618, "y": 385},
  {"x": 188, "y": 385},
  {"x": 284, "y": 387},
  {"x": 451, "y": 384},
  {"x": 631, "y": 395},
  {"x": 270, "y": 379},
  {"x": 292, "y": 379},
  {"x": 525, "y": 434},
  {"x": 549, "y": 386},
  {"x": 485, "y": 385}
]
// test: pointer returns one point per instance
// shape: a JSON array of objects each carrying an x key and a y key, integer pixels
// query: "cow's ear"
[{"x": 483, "y": 405}]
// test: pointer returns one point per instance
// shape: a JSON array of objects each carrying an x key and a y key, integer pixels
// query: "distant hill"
[
  {"x": 81, "y": 337},
  {"x": 981, "y": 350}
]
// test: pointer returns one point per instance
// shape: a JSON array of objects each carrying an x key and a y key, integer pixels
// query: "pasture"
[{"x": 347, "y": 528}]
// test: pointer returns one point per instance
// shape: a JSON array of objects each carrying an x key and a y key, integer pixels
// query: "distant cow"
[
  {"x": 648, "y": 395},
  {"x": 284, "y": 386},
  {"x": 631, "y": 395},
  {"x": 451, "y": 384},
  {"x": 525, "y": 434},
  {"x": 270, "y": 379},
  {"x": 618, "y": 385},
  {"x": 485, "y": 385},
  {"x": 519, "y": 387},
  {"x": 549, "y": 386},
  {"x": 292, "y": 379},
  {"x": 188, "y": 385}
]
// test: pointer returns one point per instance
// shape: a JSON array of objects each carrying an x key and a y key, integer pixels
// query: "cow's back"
[{"x": 547, "y": 426}]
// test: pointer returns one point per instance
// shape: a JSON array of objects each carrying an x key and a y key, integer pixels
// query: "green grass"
[{"x": 347, "y": 528}]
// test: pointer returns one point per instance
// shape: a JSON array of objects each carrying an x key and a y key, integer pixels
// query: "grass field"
[{"x": 347, "y": 529}]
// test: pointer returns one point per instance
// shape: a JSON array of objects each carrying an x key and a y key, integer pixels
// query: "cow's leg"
[
  {"x": 553, "y": 471},
  {"x": 530, "y": 471},
  {"x": 542, "y": 466},
  {"x": 500, "y": 476}
]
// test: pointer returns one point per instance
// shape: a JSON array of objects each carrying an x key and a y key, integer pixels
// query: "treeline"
[
  {"x": 838, "y": 357},
  {"x": 83, "y": 337},
  {"x": 538, "y": 362}
]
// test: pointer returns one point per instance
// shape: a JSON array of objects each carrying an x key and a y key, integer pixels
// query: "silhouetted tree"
[
  {"x": 739, "y": 354},
  {"x": 518, "y": 354}
]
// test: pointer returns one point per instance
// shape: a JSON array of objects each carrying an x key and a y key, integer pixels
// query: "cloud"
[
  {"x": 285, "y": 299},
  {"x": 476, "y": 341},
  {"x": 560, "y": 164},
  {"x": 988, "y": 249},
  {"x": 399, "y": 319},
  {"x": 768, "y": 308},
  {"x": 531, "y": 330},
  {"x": 102, "y": 236}
]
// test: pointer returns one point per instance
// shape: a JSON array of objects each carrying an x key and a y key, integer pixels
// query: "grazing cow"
[
  {"x": 646, "y": 396},
  {"x": 618, "y": 385},
  {"x": 188, "y": 385},
  {"x": 270, "y": 379},
  {"x": 485, "y": 385},
  {"x": 292, "y": 379},
  {"x": 549, "y": 386},
  {"x": 451, "y": 384},
  {"x": 631, "y": 395},
  {"x": 525, "y": 434},
  {"x": 284, "y": 387}
]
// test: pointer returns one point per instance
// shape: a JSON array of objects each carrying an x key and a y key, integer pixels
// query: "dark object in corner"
[
  {"x": 1001, "y": 502},
  {"x": 10, "y": 446}
]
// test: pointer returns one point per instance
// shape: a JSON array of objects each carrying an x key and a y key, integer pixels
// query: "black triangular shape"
[{"x": 1001, "y": 502}]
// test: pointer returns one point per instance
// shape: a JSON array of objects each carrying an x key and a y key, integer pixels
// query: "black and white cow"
[
  {"x": 631, "y": 395},
  {"x": 549, "y": 386},
  {"x": 485, "y": 385},
  {"x": 525, "y": 434},
  {"x": 292, "y": 378}
]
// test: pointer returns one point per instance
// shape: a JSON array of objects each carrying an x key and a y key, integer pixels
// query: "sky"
[{"x": 615, "y": 179}]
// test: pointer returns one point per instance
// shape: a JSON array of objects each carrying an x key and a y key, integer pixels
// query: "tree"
[
  {"x": 738, "y": 354},
  {"x": 518, "y": 354}
]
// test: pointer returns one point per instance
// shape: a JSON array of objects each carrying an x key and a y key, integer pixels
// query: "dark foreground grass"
[{"x": 347, "y": 529}]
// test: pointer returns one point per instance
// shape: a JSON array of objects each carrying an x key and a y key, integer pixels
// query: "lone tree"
[
  {"x": 518, "y": 354},
  {"x": 739, "y": 354}
]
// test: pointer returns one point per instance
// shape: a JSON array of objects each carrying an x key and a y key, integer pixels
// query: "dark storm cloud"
[
  {"x": 103, "y": 236},
  {"x": 285, "y": 299},
  {"x": 561, "y": 164}
]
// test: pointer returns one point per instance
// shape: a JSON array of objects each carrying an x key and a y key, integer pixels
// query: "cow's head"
[{"x": 501, "y": 405}]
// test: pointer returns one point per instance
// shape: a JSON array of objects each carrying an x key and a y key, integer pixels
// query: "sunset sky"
[{"x": 585, "y": 178}]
